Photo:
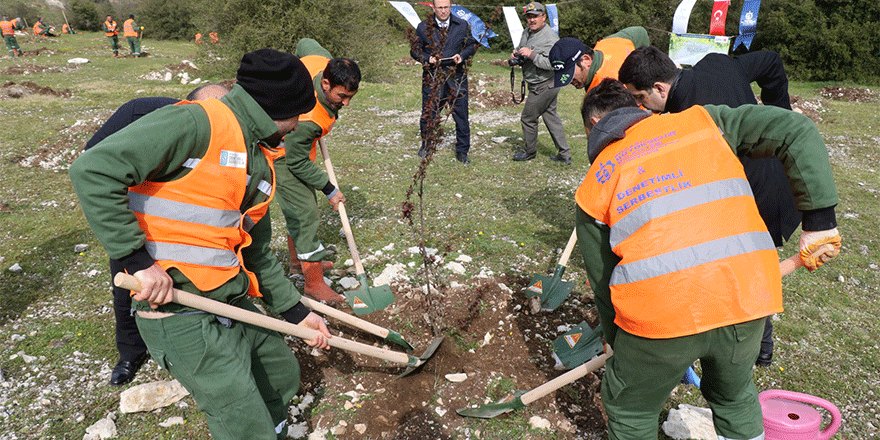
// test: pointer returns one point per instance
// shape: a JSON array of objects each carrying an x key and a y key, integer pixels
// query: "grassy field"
[{"x": 512, "y": 218}]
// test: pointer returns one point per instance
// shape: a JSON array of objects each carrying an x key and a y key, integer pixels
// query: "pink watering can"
[{"x": 786, "y": 419}]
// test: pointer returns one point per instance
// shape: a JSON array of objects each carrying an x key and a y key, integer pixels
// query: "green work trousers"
[
  {"x": 642, "y": 373},
  {"x": 11, "y": 44},
  {"x": 114, "y": 44},
  {"x": 134, "y": 44},
  {"x": 242, "y": 376},
  {"x": 300, "y": 207}
]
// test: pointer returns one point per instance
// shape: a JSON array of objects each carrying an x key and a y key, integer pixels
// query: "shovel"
[
  {"x": 552, "y": 290},
  {"x": 522, "y": 398},
  {"x": 129, "y": 282},
  {"x": 354, "y": 321},
  {"x": 364, "y": 299}
]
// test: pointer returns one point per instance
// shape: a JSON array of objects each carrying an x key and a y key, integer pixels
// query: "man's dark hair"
[
  {"x": 645, "y": 66},
  {"x": 343, "y": 72},
  {"x": 609, "y": 95}
]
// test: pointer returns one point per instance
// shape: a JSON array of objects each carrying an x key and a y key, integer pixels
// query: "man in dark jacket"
[
  {"x": 443, "y": 45},
  {"x": 658, "y": 85},
  {"x": 131, "y": 347}
]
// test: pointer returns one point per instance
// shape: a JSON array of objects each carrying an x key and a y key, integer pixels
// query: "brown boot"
[
  {"x": 315, "y": 285},
  {"x": 295, "y": 266}
]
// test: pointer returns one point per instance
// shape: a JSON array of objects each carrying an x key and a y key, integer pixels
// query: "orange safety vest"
[
  {"x": 695, "y": 253},
  {"x": 39, "y": 27},
  {"x": 214, "y": 37},
  {"x": 128, "y": 28},
  {"x": 195, "y": 225},
  {"x": 65, "y": 29},
  {"x": 614, "y": 51},
  {"x": 316, "y": 65},
  {"x": 111, "y": 27},
  {"x": 198, "y": 38},
  {"x": 7, "y": 27}
]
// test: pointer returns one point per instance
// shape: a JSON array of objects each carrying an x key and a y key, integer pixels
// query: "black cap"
[
  {"x": 564, "y": 56},
  {"x": 278, "y": 81},
  {"x": 130, "y": 15}
]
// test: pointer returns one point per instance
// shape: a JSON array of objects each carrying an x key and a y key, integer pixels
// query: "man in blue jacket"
[{"x": 443, "y": 45}]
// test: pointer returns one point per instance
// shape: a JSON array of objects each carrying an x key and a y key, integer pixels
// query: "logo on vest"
[
  {"x": 233, "y": 159},
  {"x": 605, "y": 171}
]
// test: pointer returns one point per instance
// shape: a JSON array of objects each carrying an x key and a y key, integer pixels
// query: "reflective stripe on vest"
[
  {"x": 695, "y": 253},
  {"x": 614, "y": 51},
  {"x": 316, "y": 65},
  {"x": 8, "y": 28},
  {"x": 194, "y": 223},
  {"x": 128, "y": 29}
]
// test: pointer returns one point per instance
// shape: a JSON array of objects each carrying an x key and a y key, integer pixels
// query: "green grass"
[{"x": 510, "y": 217}]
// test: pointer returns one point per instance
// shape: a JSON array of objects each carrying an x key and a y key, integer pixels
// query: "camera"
[{"x": 517, "y": 60}]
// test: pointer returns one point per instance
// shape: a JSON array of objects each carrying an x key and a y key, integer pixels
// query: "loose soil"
[
  {"x": 491, "y": 336},
  {"x": 27, "y": 69},
  {"x": 13, "y": 90},
  {"x": 849, "y": 94}
]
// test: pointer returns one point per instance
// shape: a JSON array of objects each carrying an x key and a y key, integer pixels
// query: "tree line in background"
[{"x": 819, "y": 40}]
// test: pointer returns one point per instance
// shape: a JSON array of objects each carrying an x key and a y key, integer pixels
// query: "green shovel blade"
[
  {"x": 494, "y": 409},
  {"x": 367, "y": 299},
  {"x": 552, "y": 290},
  {"x": 578, "y": 345}
]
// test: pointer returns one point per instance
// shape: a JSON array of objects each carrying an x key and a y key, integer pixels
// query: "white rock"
[
  {"x": 456, "y": 377},
  {"x": 15, "y": 268},
  {"x": 168, "y": 76},
  {"x": 337, "y": 430},
  {"x": 440, "y": 411},
  {"x": 171, "y": 421},
  {"x": 464, "y": 258},
  {"x": 77, "y": 61},
  {"x": 80, "y": 248},
  {"x": 348, "y": 283},
  {"x": 454, "y": 267},
  {"x": 348, "y": 262},
  {"x": 689, "y": 422},
  {"x": 196, "y": 81},
  {"x": 355, "y": 396},
  {"x": 189, "y": 63},
  {"x": 360, "y": 428},
  {"x": 504, "y": 288},
  {"x": 150, "y": 396},
  {"x": 391, "y": 272},
  {"x": 27, "y": 359},
  {"x": 298, "y": 430},
  {"x": 104, "y": 428},
  {"x": 347, "y": 405},
  {"x": 390, "y": 247},
  {"x": 539, "y": 423},
  {"x": 318, "y": 434},
  {"x": 486, "y": 339},
  {"x": 16, "y": 338},
  {"x": 415, "y": 250},
  {"x": 93, "y": 273}
]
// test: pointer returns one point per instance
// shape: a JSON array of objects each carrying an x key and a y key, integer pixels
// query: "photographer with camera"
[{"x": 532, "y": 54}]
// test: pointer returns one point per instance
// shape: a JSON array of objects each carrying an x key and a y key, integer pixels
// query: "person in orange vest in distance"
[
  {"x": 66, "y": 29},
  {"x": 131, "y": 33},
  {"x": 112, "y": 32},
  {"x": 198, "y": 38},
  {"x": 214, "y": 38},
  {"x": 681, "y": 263},
  {"x": 42, "y": 30},
  {"x": 8, "y": 30}
]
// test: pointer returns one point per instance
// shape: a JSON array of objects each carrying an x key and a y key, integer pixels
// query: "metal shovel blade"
[
  {"x": 577, "y": 346},
  {"x": 432, "y": 348},
  {"x": 551, "y": 290},
  {"x": 491, "y": 410},
  {"x": 367, "y": 299}
]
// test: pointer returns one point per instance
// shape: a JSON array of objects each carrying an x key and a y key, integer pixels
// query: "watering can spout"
[{"x": 786, "y": 417}]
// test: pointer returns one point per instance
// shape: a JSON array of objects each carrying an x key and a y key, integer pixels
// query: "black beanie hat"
[{"x": 278, "y": 81}]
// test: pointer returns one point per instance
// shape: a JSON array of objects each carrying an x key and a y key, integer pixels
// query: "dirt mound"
[
  {"x": 492, "y": 338},
  {"x": 181, "y": 69},
  {"x": 65, "y": 146},
  {"x": 27, "y": 69},
  {"x": 850, "y": 94},
  {"x": 490, "y": 92},
  {"x": 13, "y": 90},
  {"x": 813, "y": 109}
]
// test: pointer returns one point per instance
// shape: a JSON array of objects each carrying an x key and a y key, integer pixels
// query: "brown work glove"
[{"x": 812, "y": 241}]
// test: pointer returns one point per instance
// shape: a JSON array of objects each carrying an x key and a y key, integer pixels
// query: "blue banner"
[
  {"x": 553, "y": 17},
  {"x": 478, "y": 28},
  {"x": 748, "y": 23}
]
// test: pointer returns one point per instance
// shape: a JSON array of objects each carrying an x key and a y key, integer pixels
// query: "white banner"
[
  {"x": 682, "y": 15},
  {"x": 408, "y": 12},
  {"x": 688, "y": 49},
  {"x": 514, "y": 25}
]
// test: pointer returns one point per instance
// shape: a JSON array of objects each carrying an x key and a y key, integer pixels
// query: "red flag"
[{"x": 719, "y": 17}]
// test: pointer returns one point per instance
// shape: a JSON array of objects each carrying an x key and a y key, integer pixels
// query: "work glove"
[{"x": 812, "y": 241}]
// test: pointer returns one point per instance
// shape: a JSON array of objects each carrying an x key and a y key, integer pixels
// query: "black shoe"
[
  {"x": 423, "y": 152},
  {"x": 764, "y": 359},
  {"x": 463, "y": 158},
  {"x": 523, "y": 156},
  {"x": 124, "y": 371},
  {"x": 560, "y": 159}
]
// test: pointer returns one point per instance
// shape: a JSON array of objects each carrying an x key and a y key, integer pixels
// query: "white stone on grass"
[
  {"x": 690, "y": 422},
  {"x": 348, "y": 283},
  {"x": 78, "y": 61},
  {"x": 171, "y": 421},
  {"x": 454, "y": 267},
  {"x": 539, "y": 423},
  {"x": 456, "y": 377},
  {"x": 150, "y": 396}
]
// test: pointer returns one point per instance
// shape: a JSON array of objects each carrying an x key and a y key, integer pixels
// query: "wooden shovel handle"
[
  {"x": 567, "y": 378},
  {"x": 795, "y": 262},
  {"x": 343, "y": 216},
  {"x": 351, "y": 320},
  {"x": 569, "y": 247},
  {"x": 129, "y": 282}
]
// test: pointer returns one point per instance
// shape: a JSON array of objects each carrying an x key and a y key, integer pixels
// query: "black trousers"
[
  {"x": 454, "y": 89},
  {"x": 128, "y": 339}
]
